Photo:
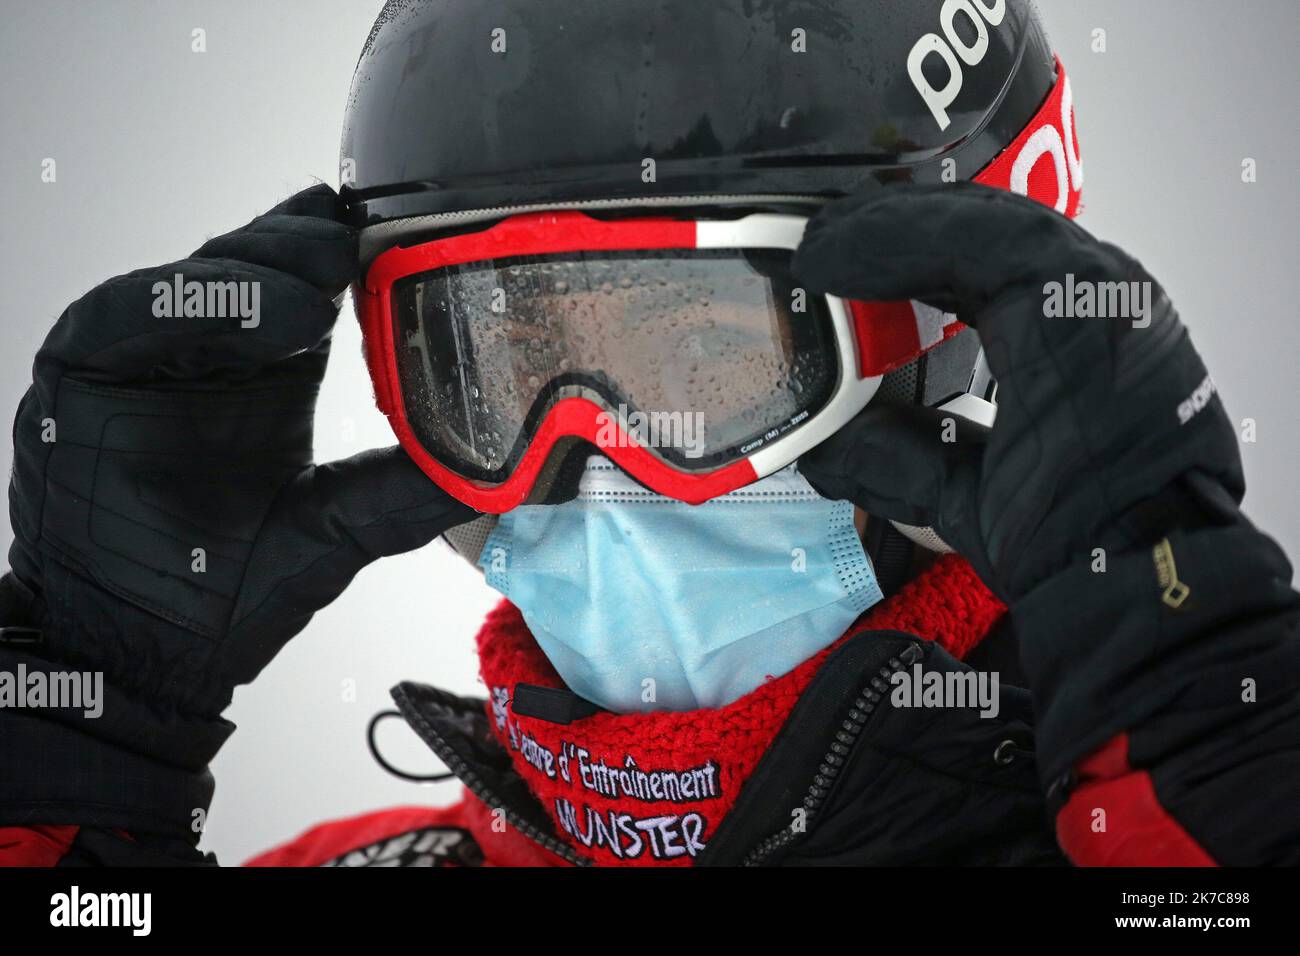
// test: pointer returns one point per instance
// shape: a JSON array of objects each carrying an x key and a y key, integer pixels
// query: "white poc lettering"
[
  {"x": 1067, "y": 126},
  {"x": 993, "y": 13},
  {"x": 949, "y": 49},
  {"x": 1048, "y": 140},
  {"x": 972, "y": 55},
  {"x": 1045, "y": 141},
  {"x": 937, "y": 100}
]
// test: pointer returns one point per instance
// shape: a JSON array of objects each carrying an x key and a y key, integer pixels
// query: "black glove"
[
  {"x": 1107, "y": 433},
  {"x": 1103, "y": 505},
  {"x": 170, "y": 529},
  {"x": 1153, "y": 619}
]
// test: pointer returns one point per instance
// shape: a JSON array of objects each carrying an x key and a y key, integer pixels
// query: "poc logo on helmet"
[{"x": 949, "y": 49}]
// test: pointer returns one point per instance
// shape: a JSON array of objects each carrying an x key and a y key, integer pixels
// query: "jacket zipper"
[
  {"x": 838, "y": 755},
  {"x": 484, "y": 793}
]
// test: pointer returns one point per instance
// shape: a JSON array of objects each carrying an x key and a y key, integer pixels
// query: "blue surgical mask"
[{"x": 644, "y": 603}]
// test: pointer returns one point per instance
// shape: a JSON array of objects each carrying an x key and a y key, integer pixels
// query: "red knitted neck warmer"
[{"x": 650, "y": 789}]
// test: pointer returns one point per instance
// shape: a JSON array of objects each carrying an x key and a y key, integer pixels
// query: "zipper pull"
[{"x": 1008, "y": 751}]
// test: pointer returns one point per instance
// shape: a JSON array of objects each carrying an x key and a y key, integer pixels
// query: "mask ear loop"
[
  {"x": 379, "y": 758},
  {"x": 891, "y": 555}
]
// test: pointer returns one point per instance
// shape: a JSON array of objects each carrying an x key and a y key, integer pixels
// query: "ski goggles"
[{"x": 681, "y": 349}]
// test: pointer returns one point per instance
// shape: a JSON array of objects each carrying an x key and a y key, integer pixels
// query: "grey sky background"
[{"x": 159, "y": 148}]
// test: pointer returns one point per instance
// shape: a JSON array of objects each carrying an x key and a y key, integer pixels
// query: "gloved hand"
[
  {"x": 1102, "y": 507},
  {"x": 1108, "y": 433},
  {"x": 170, "y": 528}
]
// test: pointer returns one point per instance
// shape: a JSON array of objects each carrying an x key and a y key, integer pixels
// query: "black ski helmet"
[{"x": 477, "y": 104}]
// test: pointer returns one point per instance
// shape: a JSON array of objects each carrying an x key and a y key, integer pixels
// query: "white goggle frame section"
[
  {"x": 852, "y": 394},
  {"x": 772, "y": 231}
]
